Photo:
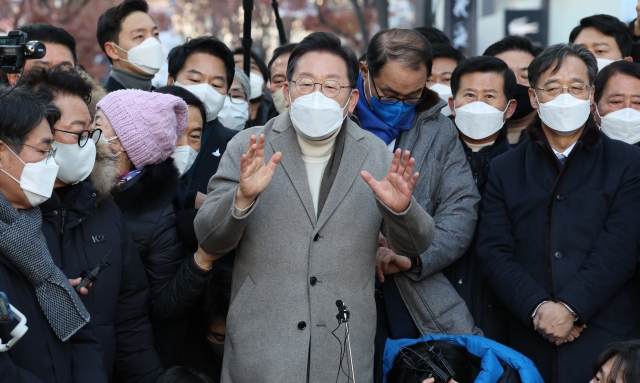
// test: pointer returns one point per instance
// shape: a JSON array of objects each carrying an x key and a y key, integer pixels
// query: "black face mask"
[{"x": 524, "y": 108}]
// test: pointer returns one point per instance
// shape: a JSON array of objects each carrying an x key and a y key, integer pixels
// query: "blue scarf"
[{"x": 371, "y": 122}]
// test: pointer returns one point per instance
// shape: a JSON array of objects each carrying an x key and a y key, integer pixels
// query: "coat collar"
[
  {"x": 353, "y": 157},
  {"x": 590, "y": 138},
  {"x": 432, "y": 99}
]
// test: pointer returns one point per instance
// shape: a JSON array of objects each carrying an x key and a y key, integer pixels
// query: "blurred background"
[{"x": 472, "y": 25}]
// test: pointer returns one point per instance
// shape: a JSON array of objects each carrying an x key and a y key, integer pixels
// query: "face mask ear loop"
[{"x": 5, "y": 172}]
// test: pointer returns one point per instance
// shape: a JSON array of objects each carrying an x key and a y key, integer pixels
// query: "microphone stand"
[{"x": 247, "y": 6}]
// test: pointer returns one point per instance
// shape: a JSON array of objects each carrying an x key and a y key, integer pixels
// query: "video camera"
[{"x": 15, "y": 49}]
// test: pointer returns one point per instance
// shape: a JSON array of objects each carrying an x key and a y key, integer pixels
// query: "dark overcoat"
[{"x": 566, "y": 233}]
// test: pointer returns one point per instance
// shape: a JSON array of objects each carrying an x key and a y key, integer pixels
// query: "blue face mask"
[{"x": 390, "y": 114}]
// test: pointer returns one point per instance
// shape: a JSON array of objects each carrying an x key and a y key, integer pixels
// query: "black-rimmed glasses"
[
  {"x": 394, "y": 100},
  {"x": 330, "y": 88},
  {"x": 84, "y": 136}
]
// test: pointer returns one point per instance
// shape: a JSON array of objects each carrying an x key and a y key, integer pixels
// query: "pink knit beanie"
[{"x": 148, "y": 125}]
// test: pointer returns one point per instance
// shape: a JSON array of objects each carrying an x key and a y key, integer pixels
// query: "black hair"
[
  {"x": 22, "y": 110},
  {"x": 627, "y": 362},
  {"x": 485, "y": 64},
  {"x": 329, "y": 43},
  {"x": 279, "y": 51},
  {"x": 203, "y": 44},
  {"x": 186, "y": 96},
  {"x": 47, "y": 33},
  {"x": 609, "y": 26},
  {"x": 405, "y": 46},
  {"x": 110, "y": 22},
  {"x": 434, "y": 35},
  {"x": 218, "y": 295},
  {"x": 179, "y": 374},
  {"x": 446, "y": 51},
  {"x": 259, "y": 62},
  {"x": 456, "y": 355},
  {"x": 61, "y": 80},
  {"x": 513, "y": 43},
  {"x": 363, "y": 57},
  {"x": 553, "y": 57},
  {"x": 619, "y": 67}
]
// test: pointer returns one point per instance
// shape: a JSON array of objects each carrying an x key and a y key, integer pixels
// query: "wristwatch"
[{"x": 416, "y": 265}]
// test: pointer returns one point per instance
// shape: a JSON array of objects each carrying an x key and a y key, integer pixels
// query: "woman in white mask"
[
  {"x": 235, "y": 112},
  {"x": 617, "y": 101}
]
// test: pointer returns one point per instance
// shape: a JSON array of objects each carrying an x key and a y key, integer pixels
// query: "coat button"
[
  {"x": 557, "y": 255},
  {"x": 301, "y": 325},
  {"x": 314, "y": 280},
  {"x": 55, "y": 212},
  {"x": 559, "y": 197},
  {"x": 316, "y": 238}
]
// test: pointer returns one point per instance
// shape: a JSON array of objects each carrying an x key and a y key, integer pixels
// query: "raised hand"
[
  {"x": 395, "y": 189},
  {"x": 255, "y": 176}
]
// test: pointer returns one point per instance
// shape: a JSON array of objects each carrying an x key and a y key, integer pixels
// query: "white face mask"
[
  {"x": 234, "y": 116},
  {"x": 75, "y": 163},
  {"x": 317, "y": 116},
  {"x": 564, "y": 114},
  {"x": 37, "y": 179},
  {"x": 623, "y": 125},
  {"x": 183, "y": 157},
  {"x": 479, "y": 120},
  {"x": 146, "y": 56},
  {"x": 257, "y": 82},
  {"x": 604, "y": 62},
  {"x": 278, "y": 100},
  {"x": 444, "y": 92},
  {"x": 210, "y": 97}
]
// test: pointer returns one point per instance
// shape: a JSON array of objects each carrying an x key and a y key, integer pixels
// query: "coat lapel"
[
  {"x": 287, "y": 143},
  {"x": 349, "y": 170}
]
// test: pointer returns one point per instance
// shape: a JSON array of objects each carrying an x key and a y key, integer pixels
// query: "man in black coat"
[
  {"x": 82, "y": 225},
  {"x": 59, "y": 346},
  {"x": 483, "y": 88},
  {"x": 558, "y": 234},
  {"x": 129, "y": 37}
]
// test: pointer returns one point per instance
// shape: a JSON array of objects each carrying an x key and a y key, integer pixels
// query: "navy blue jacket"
[
  {"x": 214, "y": 142},
  {"x": 79, "y": 233},
  {"x": 567, "y": 233},
  {"x": 40, "y": 357}
]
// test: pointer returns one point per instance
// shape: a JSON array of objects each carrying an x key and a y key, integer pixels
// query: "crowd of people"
[{"x": 473, "y": 219}]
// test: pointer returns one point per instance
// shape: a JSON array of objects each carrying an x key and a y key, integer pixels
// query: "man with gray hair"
[
  {"x": 235, "y": 112},
  {"x": 558, "y": 237}
]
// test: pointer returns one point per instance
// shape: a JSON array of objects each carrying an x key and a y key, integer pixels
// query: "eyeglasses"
[
  {"x": 575, "y": 89},
  {"x": 330, "y": 88},
  {"x": 394, "y": 100},
  {"x": 84, "y": 136},
  {"x": 237, "y": 97},
  {"x": 51, "y": 153}
]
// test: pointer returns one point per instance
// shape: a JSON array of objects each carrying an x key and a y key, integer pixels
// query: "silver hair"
[
  {"x": 244, "y": 82},
  {"x": 554, "y": 56}
]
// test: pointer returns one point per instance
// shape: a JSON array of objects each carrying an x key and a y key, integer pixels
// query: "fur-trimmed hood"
[
  {"x": 105, "y": 171},
  {"x": 154, "y": 188}
]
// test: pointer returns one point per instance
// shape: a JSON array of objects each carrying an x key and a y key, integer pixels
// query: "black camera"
[{"x": 15, "y": 49}]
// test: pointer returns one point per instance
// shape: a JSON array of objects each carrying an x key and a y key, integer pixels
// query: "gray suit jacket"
[{"x": 291, "y": 267}]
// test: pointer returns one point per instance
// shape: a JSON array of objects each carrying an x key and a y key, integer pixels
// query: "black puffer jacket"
[
  {"x": 465, "y": 274},
  {"x": 175, "y": 281},
  {"x": 81, "y": 225}
]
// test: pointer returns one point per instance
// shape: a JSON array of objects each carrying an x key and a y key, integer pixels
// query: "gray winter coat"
[
  {"x": 290, "y": 268},
  {"x": 447, "y": 192}
]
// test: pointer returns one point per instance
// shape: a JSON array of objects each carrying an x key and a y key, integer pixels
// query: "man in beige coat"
[{"x": 306, "y": 232}]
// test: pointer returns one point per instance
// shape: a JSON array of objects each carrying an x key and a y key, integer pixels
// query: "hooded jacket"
[
  {"x": 447, "y": 192},
  {"x": 497, "y": 361},
  {"x": 565, "y": 233},
  {"x": 175, "y": 281},
  {"x": 82, "y": 225}
]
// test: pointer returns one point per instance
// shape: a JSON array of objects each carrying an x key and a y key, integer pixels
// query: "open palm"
[
  {"x": 255, "y": 176},
  {"x": 396, "y": 188}
]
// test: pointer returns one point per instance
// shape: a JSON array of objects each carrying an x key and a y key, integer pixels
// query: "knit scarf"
[
  {"x": 371, "y": 122},
  {"x": 24, "y": 245}
]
